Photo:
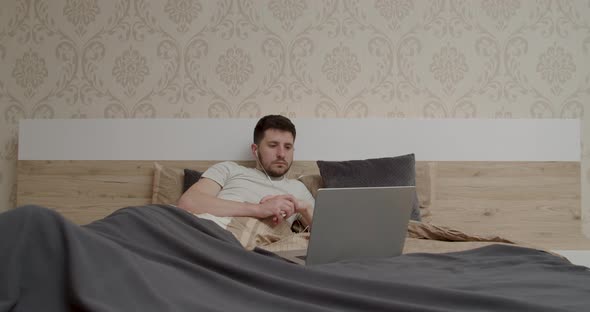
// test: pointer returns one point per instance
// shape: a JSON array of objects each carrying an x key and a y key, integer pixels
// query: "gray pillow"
[{"x": 389, "y": 171}]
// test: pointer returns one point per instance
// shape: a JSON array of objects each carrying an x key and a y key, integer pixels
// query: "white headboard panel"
[{"x": 326, "y": 139}]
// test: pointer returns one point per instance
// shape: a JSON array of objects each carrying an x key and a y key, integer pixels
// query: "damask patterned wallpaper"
[{"x": 301, "y": 58}]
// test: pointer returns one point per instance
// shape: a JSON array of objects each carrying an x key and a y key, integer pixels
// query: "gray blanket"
[{"x": 160, "y": 258}]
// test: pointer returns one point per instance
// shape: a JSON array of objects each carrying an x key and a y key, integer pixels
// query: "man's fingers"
[
  {"x": 278, "y": 217},
  {"x": 296, "y": 203},
  {"x": 279, "y": 206},
  {"x": 288, "y": 208},
  {"x": 285, "y": 211},
  {"x": 265, "y": 198}
]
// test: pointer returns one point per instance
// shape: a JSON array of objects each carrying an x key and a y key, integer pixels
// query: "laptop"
[{"x": 356, "y": 223}]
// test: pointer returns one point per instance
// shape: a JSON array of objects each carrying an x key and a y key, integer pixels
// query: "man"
[{"x": 228, "y": 190}]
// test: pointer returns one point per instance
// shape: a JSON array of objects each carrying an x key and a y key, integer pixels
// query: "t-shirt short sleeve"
[{"x": 220, "y": 172}]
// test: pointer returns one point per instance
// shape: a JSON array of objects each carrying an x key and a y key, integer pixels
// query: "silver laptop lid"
[{"x": 353, "y": 223}]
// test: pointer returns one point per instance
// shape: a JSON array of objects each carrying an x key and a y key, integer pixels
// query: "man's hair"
[{"x": 277, "y": 122}]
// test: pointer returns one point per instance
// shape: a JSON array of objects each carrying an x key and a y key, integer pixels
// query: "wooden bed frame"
[{"x": 535, "y": 202}]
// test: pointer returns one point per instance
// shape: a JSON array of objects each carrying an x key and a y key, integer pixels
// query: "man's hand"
[
  {"x": 277, "y": 207},
  {"x": 280, "y": 207}
]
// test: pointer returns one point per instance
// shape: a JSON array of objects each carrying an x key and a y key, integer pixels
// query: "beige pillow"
[
  {"x": 167, "y": 184},
  {"x": 313, "y": 182}
]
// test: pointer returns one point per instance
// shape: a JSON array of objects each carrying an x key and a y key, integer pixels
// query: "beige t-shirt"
[{"x": 242, "y": 184}]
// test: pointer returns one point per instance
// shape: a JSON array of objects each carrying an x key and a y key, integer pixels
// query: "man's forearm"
[{"x": 203, "y": 203}]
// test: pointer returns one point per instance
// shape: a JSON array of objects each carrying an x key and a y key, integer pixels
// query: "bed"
[{"x": 493, "y": 217}]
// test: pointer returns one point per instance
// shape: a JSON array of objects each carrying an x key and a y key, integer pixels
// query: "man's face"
[{"x": 275, "y": 152}]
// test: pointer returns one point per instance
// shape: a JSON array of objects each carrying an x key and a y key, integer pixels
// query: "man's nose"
[{"x": 281, "y": 152}]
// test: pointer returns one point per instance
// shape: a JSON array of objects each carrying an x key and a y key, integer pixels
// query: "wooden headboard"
[{"x": 535, "y": 201}]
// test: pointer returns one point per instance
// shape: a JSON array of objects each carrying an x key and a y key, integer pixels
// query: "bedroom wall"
[{"x": 301, "y": 58}]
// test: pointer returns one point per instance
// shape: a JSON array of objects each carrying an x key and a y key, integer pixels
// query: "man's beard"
[{"x": 277, "y": 174}]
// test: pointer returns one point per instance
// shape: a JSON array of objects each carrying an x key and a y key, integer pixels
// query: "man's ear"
[{"x": 254, "y": 149}]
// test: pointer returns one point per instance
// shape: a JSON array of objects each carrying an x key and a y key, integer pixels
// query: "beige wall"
[{"x": 304, "y": 58}]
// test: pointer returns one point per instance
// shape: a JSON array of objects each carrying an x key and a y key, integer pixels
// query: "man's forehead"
[{"x": 276, "y": 135}]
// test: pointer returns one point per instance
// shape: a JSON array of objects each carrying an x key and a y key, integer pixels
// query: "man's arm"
[{"x": 202, "y": 198}]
